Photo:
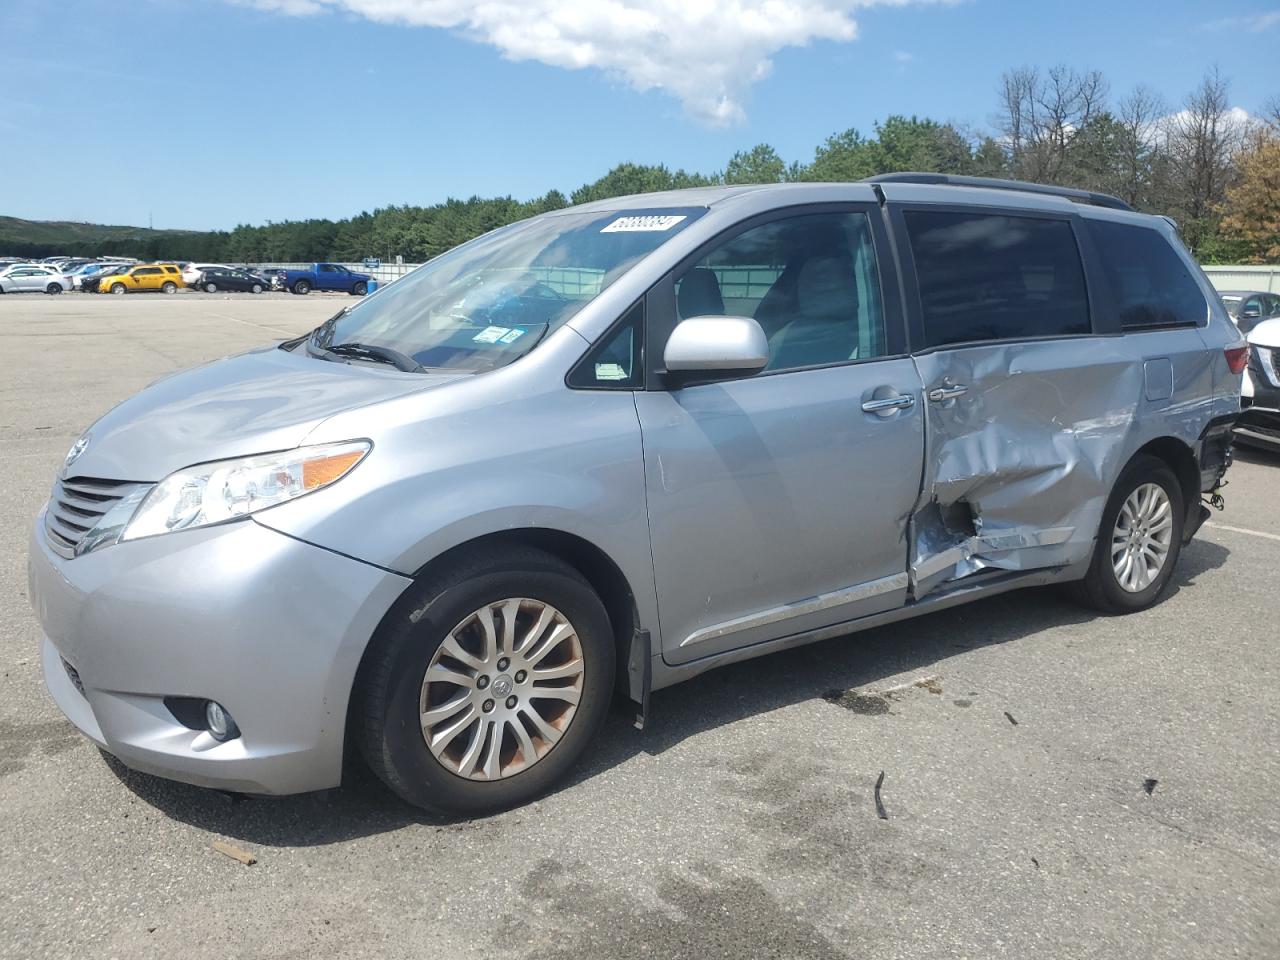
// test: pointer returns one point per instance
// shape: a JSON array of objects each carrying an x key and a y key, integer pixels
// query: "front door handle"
[
  {"x": 943, "y": 394},
  {"x": 886, "y": 405}
]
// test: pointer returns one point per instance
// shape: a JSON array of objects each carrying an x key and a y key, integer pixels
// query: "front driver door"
[{"x": 778, "y": 502}]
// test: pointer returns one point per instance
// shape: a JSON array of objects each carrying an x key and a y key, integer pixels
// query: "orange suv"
[{"x": 165, "y": 277}]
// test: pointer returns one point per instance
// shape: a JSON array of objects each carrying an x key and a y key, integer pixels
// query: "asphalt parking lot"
[{"x": 1055, "y": 784}]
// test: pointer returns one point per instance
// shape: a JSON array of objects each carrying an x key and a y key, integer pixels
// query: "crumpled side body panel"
[{"x": 1019, "y": 467}]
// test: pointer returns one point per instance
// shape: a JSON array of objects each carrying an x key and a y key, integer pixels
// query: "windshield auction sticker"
[{"x": 655, "y": 224}]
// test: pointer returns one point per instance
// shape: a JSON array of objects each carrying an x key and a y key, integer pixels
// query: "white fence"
[
  {"x": 1266, "y": 279},
  {"x": 1222, "y": 277}
]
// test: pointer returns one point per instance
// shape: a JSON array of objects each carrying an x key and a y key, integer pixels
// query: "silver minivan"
[{"x": 592, "y": 454}]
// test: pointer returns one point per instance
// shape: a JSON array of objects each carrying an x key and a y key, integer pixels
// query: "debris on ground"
[
  {"x": 1149, "y": 785},
  {"x": 932, "y": 684},
  {"x": 235, "y": 853},
  {"x": 1009, "y": 717},
  {"x": 880, "y": 810},
  {"x": 1036, "y": 862}
]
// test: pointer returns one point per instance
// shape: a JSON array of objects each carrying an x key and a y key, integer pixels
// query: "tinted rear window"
[
  {"x": 991, "y": 277},
  {"x": 1149, "y": 280}
]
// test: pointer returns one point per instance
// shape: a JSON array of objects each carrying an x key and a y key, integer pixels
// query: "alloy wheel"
[
  {"x": 502, "y": 689},
  {"x": 1142, "y": 537}
]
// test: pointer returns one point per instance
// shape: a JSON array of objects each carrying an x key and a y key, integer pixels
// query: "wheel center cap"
[{"x": 502, "y": 686}]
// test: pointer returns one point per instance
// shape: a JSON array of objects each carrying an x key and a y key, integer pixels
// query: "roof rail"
[{"x": 991, "y": 183}]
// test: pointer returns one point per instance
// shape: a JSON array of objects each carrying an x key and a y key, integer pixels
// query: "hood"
[
  {"x": 257, "y": 402},
  {"x": 1265, "y": 334}
]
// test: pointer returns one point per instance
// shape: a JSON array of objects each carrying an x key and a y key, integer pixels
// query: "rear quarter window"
[
  {"x": 989, "y": 277},
  {"x": 1151, "y": 283}
]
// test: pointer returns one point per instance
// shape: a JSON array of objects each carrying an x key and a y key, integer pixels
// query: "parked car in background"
[
  {"x": 215, "y": 279},
  {"x": 33, "y": 278},
  {"x": 192, "y": 272},
  {"x": 445, "y": 526},
  {"x": 147, "y": 277},
  {"x": 1248, "y": 308},
  {"x": 90, "y": 282},
  {"x": 91, "y": 269},
  {"x": 1259, "y": 424},
  {"x": 325, "y": 276}
]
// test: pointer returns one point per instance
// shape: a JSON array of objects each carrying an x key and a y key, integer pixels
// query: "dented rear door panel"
[{"x": 1028, "y": 437}]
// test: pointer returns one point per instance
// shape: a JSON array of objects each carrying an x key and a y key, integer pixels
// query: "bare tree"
[
  {"x": 1202, "y": 139},
  {"x": 1139, "y": 115},
  {"x": 1042, "y": 113}
]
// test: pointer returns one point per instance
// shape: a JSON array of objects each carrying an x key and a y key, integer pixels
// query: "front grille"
[{"x": 76, "y": 506}]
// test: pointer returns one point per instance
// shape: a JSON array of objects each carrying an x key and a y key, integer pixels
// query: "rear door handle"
[
  {"x": 886, "y": 405},
  {"x": 943, "y": 394}
]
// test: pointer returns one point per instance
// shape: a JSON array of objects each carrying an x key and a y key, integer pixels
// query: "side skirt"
[{"x": 987, "y": 584}]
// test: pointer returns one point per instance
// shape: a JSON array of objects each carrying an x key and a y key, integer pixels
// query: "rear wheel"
[
  {"x": 53, "y": 288},
  {"x": 118, "y": 288},
  {"x": 210, "y": 288},
  {"x": 169, "y": 287},
  {"x": 1139, "y": 540},
  {"x": 302, "y": 288},
  {"x": 489, "y": 684},
  {"x": 360, "y": 289}
]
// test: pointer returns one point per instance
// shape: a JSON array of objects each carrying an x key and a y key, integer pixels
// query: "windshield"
[
  {"x": 490, "y": 301},
  {"x": 1232, "y": 304}
]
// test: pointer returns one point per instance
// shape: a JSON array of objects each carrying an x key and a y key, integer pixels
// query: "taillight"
[{"x": 1237, "y": 357}]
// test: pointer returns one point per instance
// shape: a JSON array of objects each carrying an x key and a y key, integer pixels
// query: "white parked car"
[
  {"x": 1259, "y": 423},
  {"x": 192, "y": 272},
  {"x": 33, "y": 277}
]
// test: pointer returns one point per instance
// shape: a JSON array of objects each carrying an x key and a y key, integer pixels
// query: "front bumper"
[{"x": 271, "y": 627}]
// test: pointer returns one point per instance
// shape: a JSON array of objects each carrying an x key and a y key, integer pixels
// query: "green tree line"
[{"x": 1056, "y": 126}]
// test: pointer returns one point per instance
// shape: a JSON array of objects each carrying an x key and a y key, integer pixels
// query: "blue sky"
[{"x": 209, "y": 113}]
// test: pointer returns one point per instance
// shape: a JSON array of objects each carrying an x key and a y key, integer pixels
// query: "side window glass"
[
  {"x": 617, "y": 361},
  {"x": 1153, "y": 285},
  {"x": 811, "y": 282},
  {"x": 990, "y": 277}
]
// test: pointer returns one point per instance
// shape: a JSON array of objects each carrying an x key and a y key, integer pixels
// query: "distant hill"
[{"x": 46, "y": 238}]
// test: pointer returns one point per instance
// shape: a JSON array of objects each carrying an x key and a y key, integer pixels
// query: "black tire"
[
  {"x": 210, "y": 288},
  {"x": 302, "y": 288},
  {"x": 360, "y": 289},
  {"x": 1100, "y": 589},
  {"x": 256, "y": 288},
  {"x": 119, "y": 289},
  {"x": 168, "y": 287},
  {"x": 53, "y": 288},
  {"x": 388, "y": 720}
]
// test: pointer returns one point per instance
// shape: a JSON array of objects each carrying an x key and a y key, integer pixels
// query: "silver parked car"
[{"x": 598, "y": 452}]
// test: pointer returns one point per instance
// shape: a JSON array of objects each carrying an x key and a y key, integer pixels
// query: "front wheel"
[
  {"x": 302, "y": 288},
  {"x": 256, "y": 288},
  {"x": 118, "y": 289},
  {"x": 1138, "y": 542},
  {"x": 488, "y": 682}
]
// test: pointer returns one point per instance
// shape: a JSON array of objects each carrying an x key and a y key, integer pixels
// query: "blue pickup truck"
[{"x": 325, "y": 276}]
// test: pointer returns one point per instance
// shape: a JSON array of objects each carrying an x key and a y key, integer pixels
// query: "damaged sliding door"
[{"x": 1017, "y": 393}]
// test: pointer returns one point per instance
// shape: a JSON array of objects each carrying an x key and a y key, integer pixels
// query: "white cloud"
[
  {"x": 1252, "y": 23},
  {"x": 706, "y": 53},
  {"x": 903, "y": 56}
]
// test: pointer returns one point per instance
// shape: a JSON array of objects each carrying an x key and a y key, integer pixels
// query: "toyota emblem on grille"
[{"x": 77, "y": 448}]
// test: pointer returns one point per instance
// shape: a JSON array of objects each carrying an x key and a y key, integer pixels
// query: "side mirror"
[
  {"x": 1251, "y": 312},
  {"x": 716, "y": 345}
]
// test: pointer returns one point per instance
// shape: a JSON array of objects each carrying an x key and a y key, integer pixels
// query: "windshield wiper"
[{"x": 377, "y": 354}]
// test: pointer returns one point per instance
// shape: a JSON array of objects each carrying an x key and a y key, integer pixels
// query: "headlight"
[{"x": 227, "y": 489}]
